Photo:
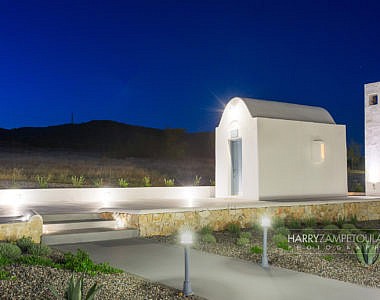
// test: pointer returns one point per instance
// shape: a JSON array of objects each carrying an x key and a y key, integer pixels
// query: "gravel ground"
[
  {"x": 32, "y": 282},
  {"x": 340, "y": 264}
]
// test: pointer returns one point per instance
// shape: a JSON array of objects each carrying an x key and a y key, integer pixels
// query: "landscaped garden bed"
[
  {"x": 328, "y": 257},
  {"x": 32, "y": 271}
]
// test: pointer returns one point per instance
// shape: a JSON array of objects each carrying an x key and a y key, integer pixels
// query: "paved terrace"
[{"x": 13, "y": 205}]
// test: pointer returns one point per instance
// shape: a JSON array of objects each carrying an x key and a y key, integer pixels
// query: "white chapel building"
[{"x": 274, "y": 150}]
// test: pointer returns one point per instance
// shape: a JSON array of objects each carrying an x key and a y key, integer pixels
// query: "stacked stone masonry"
[{"x": 166, "y": 223}]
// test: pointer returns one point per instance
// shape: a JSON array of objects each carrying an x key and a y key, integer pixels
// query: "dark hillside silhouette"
[{"x": 112, "y": 139}]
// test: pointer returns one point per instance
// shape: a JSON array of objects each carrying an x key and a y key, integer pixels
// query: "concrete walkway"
[{"x": 217, "y": 277}]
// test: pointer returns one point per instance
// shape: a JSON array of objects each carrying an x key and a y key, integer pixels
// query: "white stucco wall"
[
  {"x": 247, "y": 127},
  {"x": 372, "y": 140},
  {"x": 277, "y": 156},
  {"x": 286, "y": 166}
]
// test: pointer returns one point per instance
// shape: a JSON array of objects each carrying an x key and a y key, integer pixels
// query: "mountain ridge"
[{"x": 112, "y": 139}]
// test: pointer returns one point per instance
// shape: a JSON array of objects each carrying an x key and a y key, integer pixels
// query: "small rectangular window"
[
  {"x": 234, "y": 133},
  {"x": 318, "y": 152},
  {"x": 373, "y": 99}
]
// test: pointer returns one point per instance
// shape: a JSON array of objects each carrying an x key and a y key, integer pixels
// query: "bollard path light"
[
  {"x": 187, "y": 240},
  {"x": 265, "y": 223}
]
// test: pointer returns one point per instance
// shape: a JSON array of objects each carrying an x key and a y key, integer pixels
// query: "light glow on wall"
[
  {"x": 13, "y": 200},
  {"x": 373, "y": 171},
  {"x": 189, "y": 197},
  {"x": 234, "y": 111},
  {"x": 318, "y": 151}
]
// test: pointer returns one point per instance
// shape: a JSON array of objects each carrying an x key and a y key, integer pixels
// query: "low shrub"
[
  {"x": 39, "y": 250},
  {"x": 207, "y": 229},
  {"x": 256, "y": 250},
  {"x": 10, "y": 251},
  {"x": 24, "y": 243},
  {"x": 281, "y": 241},
  {"x": 278, "y": 222},
  {"x": 328, "y": 257},
  {"x": 246, "y": 235},
  {"x": 255, "y": 227},
  {"x": 208, "y": 238},
  {"x": 282, "y": 230},
  {"x": 233, "y": 228},
  {"x": 309, "y": 222},
  {"x": 331, "y": 228},
  {"x": 242, "y": 241},
  {"x": 294, "y": 223},
  {"x": 107, "y": 269},
  {"x": 38, "y": 261},
  {"x": 4, "y": 261},
  {"x": 350, "y": 228},
  {"x": 5, "y": 275},
  {"x": 81, "y": 262}
]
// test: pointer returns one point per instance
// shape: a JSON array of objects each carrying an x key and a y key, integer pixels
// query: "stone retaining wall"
[
  {"x": 16, "y": 230},
  {"x": 166, "y": 223}
]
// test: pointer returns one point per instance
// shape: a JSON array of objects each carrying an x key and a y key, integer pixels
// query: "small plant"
[
  {"x": 17, "y": 174},
  {"x": 340, "y": 221},
  {"x": 278, "y": 222},
  {"x": 353, "y": 219},
  {"x": 294, "y": 223},
  {"x": 81, "y": 262},
  {"x": 206, "y": 230},
  {"x": 43, "y": 181},
  {"x": 78, "y": 181},
  {"x": 281, "y": 241},
  {"x": 256, "y": 250},
  {"x": 212, "y": 182},
  {"x": 255, "y": 227},
  {"x": 10, "y": 251},
  {"x": 123, "y": 183},
  {"x": 367, "y": 253},
  {"x": 282, "y": 230},
  {"x": 197, "y": 180},
  {"x": 74, "y": 290},
  {"x": 310, "y": 222},
  {"x": 98, "y": 182},
  {"x": 350, "y": 228},
  {"x": 146, "y": 181},
  {"x": 38, "y": 261},
  {"x": 169, "y": 181},
  {"x": 233, "y": 228},
  {"x": 242, "y": 241},
  {"x": 328, "y": 257},
  {"x": 208, "y": 238},
  {"x": 246, "y": 235},
  {"x": 5, "y": 275},
  {"x": 4, "y": 261},
  {"x": 39, "y": 250},
  {"x": 24, "y": 243}
]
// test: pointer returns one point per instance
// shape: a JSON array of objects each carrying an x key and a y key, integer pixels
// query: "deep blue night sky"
[{"x": 173, "y": 63}]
